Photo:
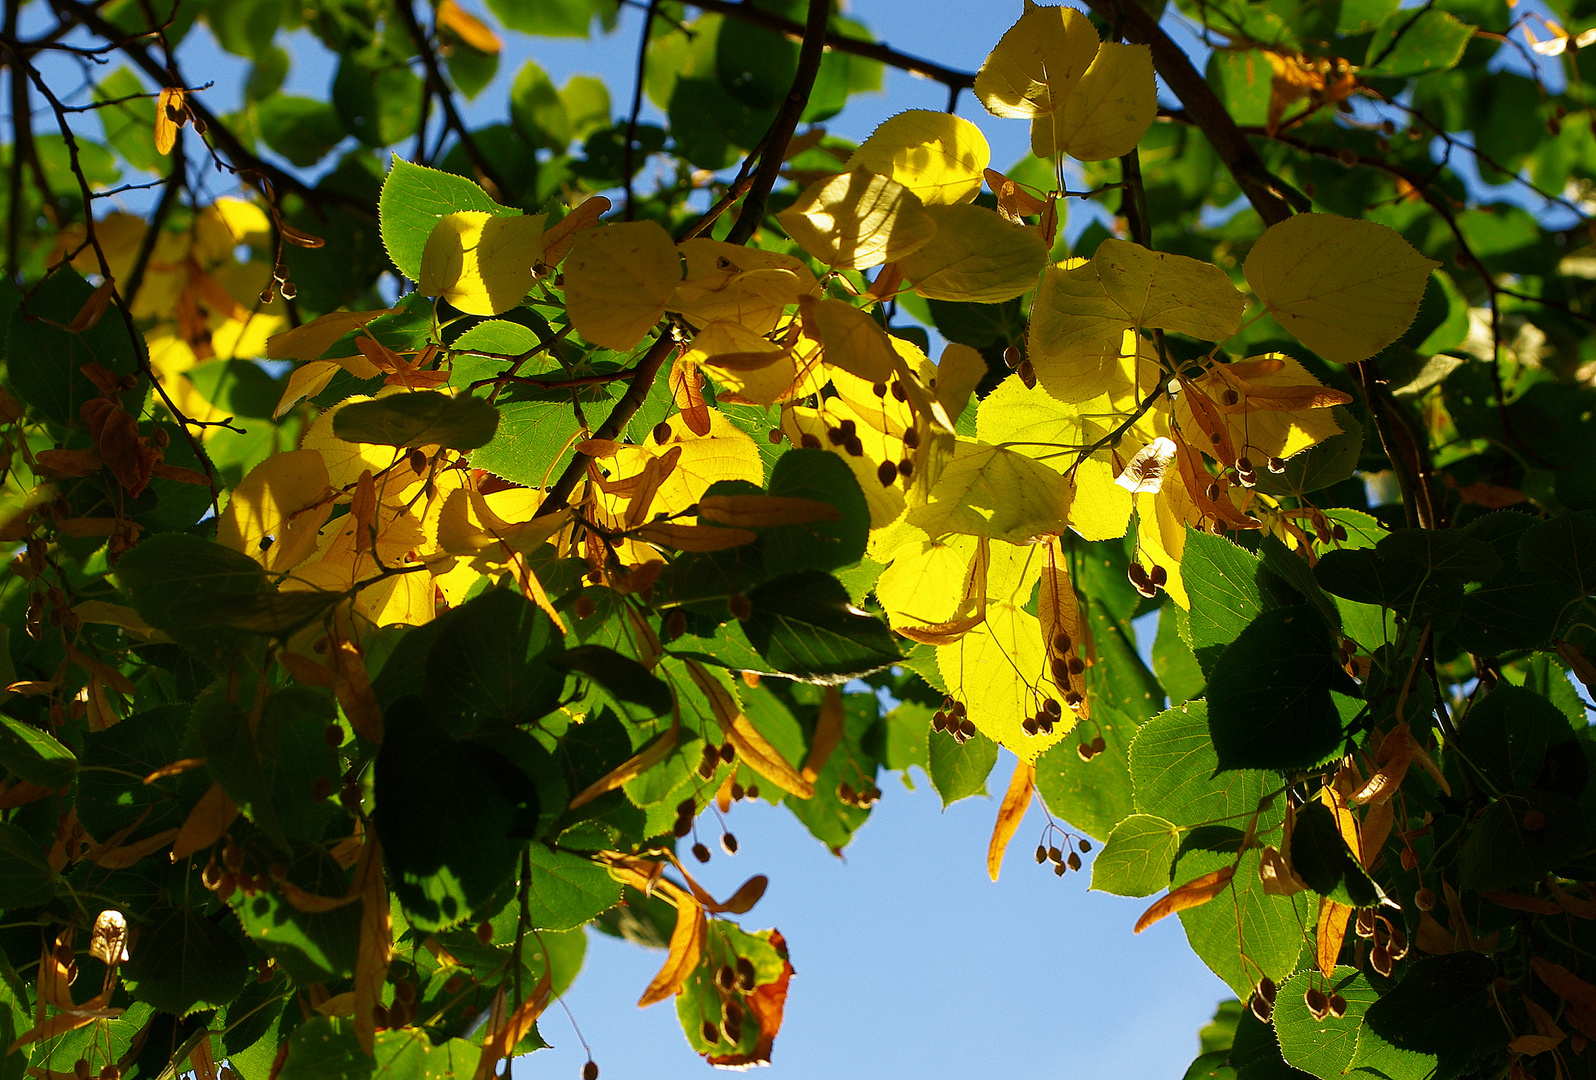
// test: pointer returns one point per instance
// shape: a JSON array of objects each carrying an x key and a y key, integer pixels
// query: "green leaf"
[
  {"x": 321, "y": 1048},
  {"x": 491, "y": 660},
  {"x": 26, "y": 880},
  {"x": 108, "y": 798},
  {"x": 1564, "y": 548},
  {"x": 423, "y": 418},
  {"x": 1138, "y": 856},
  {"x": 806, "y": 627},
  {"x": 1519, "y": 839},
  {"x": 471, "y": 71},
  {"x": 829, "y": 819},
  {"x": 1294, "y": 570},
  {"x": 959, "y": 770},
  {"x": 825, "y": 545},
  {"x": 1418, "y": 42},
  {"x": 1093, "y": 796},
  {"x": 377, "y": 107},
  {"x": 450, "y": 815},
  {"x": 35, "y": 755},
  {"x": 537, "y": 111},
  {"x": 1269, "y": 703},
  {"x": 1507, "y": 732},
  {"x": 1173, "y": 661},
  {"x": 531, "y": 439},
  {"x": 1321, "y": 1047},
  {"x": 1176, "y": 771},
  {"x": 1255, "y": 1052},
  {"x": 1322, "y": 859},
  {"x": 566, "y": 891},
  {"x": 45, "y": 360},
  {"x": 310, "y": 946},
  {"x": 301, "y": 129},
  {"x": 1443, "y": 1008},
  {"x": 413, "y": 200},
  {"x": 1322, "y": 465},
  {"x": 187, "y": 586},
  {"x": 624, "y": 678},
  {"x": 184, "y": 960},
  {"x": 130, "y": 123},
  {"x": 1221, "y": 581},
  {"x": 548, "y": 18},
  {"x": 1270, "y": 927}
]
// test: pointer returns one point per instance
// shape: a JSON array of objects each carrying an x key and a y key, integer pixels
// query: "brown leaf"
[
  {"x": 376, "y": 941},
  {"x": 1058, "y": 611},
  {"x": 68, "y": 462},
  {"x": 1194, "y": 893},
  {"x": 93, "y": 308},
  {"x": 468, "y": 28},
  {"x": 125, "y": 855},
  {"x": 205, "y": 824},
  {"x": 694, "y": 537},
  {"x": 506, "y": 1029},
  {"x": 687, "y": 387},
  {"x": 752, "y": 748},
  {"x": 1580, "y": 995},
  {"x": 1278, "y": 878},
  {"x": 1516, "y": 902},
  {"x": 686, "y": 945},
  {"x": 353, "y": 689},
  {"x": 747, "y": 895},
  {"x": 202, "y": 1060},
  {"x": 756, "y": 511},
  {"x": 559, "y": 237},
  {"x": 1580, "y": 909},
  {"x": 181, "y": 765},
  {"x": 828, "y": 733},
  {"x": 1016, "y": 801},
  {"x": 1329, "y": 933}
]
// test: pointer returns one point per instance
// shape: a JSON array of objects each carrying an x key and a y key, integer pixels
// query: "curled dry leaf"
[
  {"x": 1194, "y": 893},
  {"x": 686, "y": 945},
  {"x": 652, "y": 753},
  {"x": 205, "y": 824}
]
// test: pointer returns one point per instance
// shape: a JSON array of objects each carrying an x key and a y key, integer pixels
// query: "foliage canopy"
[{"x": 400, "y": 563}]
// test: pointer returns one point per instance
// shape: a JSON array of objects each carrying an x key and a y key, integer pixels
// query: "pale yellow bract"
[
  {"x": 734, "y": 283},
  {"x": 975, "y": 256},
  {"x": 938, "y": 156},
  {"x": 618, "y": 280},
  {"x": 1345, "y": 288}
]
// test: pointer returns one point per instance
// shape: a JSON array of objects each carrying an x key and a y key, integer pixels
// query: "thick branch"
[
  {"x": 949, "y": 77},
  {"x": 1268, "y": 195}
]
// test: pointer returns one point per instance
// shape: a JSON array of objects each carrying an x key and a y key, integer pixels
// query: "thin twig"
[{"x": 637, "y": 107}]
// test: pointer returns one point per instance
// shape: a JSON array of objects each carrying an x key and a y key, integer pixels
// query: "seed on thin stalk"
[
  {"x": 1074, "y": 861},
  {"x": 1337, "y": 1006},
  {"x": 1041, "y": 853},
  {"x": 727, "y": 752},
  {"x": 1318, "y": 1004},
  {"x": 740, "y": 608},
  {"x": 752, "y": 792},
  {"x": 1061, "y": 642},
  {"x": 682, "y": 827},
  {"x": 911, "y": 438},
  {"x": 1424, "y": 899},
  {"x": 809, "y": 441},
  {"x": 1380, "y": 960},
  {"x": 1262, "y": 1010},
  {"x": 898, "y": 392},
  {"x": 662, "y": 432},
  {"x": 334, "y": 735},
  {"x": 887, "y": 473},
  {"x": 1011, "y": 357},
  {"x": 854, "y": 447},
  {"x": 906, "y": 469},
  {"x": 590, "y": 1071},
  {"x": 726, "y": 977},
  {"x": 1267, "y": 988},
  {"x": 700, "y": 852},
  {"x": 879, "y": 389},
  {"x": 1059, "y": 870},
  {"x": 1055, "y": 854},
  {"x": 1084, "y": 751},
  {"x": 711, "y": 1032},
  {"x": 745, "y": 972},
  {"x": 1084, "y": 844},
  {"x": 1098, "y": 745},
  {"x": 737, "y": 792},
  {"x": 1029, "y": 725},
  {"x": 728, "y": 844},
  {"x": 1052, "y": 707},
  {"x": 1027, "y": 374},
  {"x": 939, "y": 720}
]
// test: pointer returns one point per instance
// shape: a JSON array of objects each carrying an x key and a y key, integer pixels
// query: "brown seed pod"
[
  {"x": 1061, "y": 670},
  {"x": 848, "y": 429},
  {"x": 1158, "y": 576},
  {"x": 1041, "y": 853},
  {"x": 700, "y": 852},
  {"x": 911, "y": 438},
  {"x": 334, "y": 735},
  {"x": 845, "y": 792},
  {"x": 686, "y": 808},
  {"x": 1338, "y": 533},
  {"x": 1044, "y": 724},
  {"x": 1098, "y": 745},
  {"x": 1318, "y": 1003},
  {"x": 809, "y": 441},
  {"x": 1138, "y": 576},
  {"x": 775, "y": 437},
  {"x": 854, "y": 447},
  {"x": 726, "y": 977},
  {"x": 211, "y": 876},
  {"x": 225, "y": 887},
  {"x": 728, "y": 843},
  {"x": 879, "y": 389},
  {"x": 745, "y": 972},
  {"x": 1364, "y": 927},
  {"x": 1074, "y": 861},
  {"x": 1277, "y": 465},
  {"x": 1059, "y": 870},
  {"x": 1029, "y": 725},
  {"x": 1409, "y": 859},
  {"x": 80, "y": 1068},
  {"x": 711, "y": 1032},
  {"x": 1061, "y": 642},
  {"x": 1337, "y": 1005},
  {"x": 1055, "y": 854},
  {"x": 959, "y": 710},
  {"x": 418, "y": 461},
  {"x": 1262, "y": 1010},
  {"x": 939, "y": 720},
  {"x": 740, "y": 608},
  {"x": 728, "y": 752},
  {"x": 898, "y": 392},
  {"x": 1229, "y": 397},
  {"x": 1052, "y": 707},
  {"x": 682, "y": 827},
  {"x": 1424, "y": 899},
  {"x": 1075, "y": 665},
  {"x": 732, "y": 1030},
  {"x": 675, "y": 624},
  {"x": 1012, "y": 357},
  {"x": 662, "y": 432},
  {"x": 590, "y": 1071},
  {"x": 583, "y": 607},
  {"x": 1084, "y": 844},
  {"x": 485, "y": 933},
  {"x": 1267, "y": 989},
  {"x": 454, "y": 985},
  {"x": 906, "y": 468},
  {"x": 1398, "y": 945},
  {"x": 1085, "y": 752},
  {"x": 968, "y": 727},
  {"x": 737, "y": 792},
  {"x": 752, "y": 792},
  {"x": 1027, "y": 374},
  {"x": 1380, "y": 960},
  {"x": 887, "y": 473},
  {"x": 111, "y": 1072}
]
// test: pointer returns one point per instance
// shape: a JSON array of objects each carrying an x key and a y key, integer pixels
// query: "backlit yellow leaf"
[
  {"x": 310, "y": 341},
  {"x": 1109, "y": 110},
  {"x": 997, "y": 670},
  {"x": 1279, "y": 408},
  {"x": 926, "y": 582},
  {"x": 305, "y": 381},
  {"x": 1194, "y": 893},
  {"x": 737, "y": 284},
  {"x": 742, "y": 362},
  {"x": 997, "y": 493},
  {"x": 1343, "y": 287},
  {"x": 618, "y": 280},
  {"x": 686, "y": 945},
  {"x": 856, "y": 220},
  {"x": 959, "y": 371},
  {"x": 170, "y": 115},
  {"x": 479, "y": 262},
  {"x": 287, "y": 498},
  {"x": 852, "y": 340},
  {"x": 938, "y": 156},
  {"x": 1168, "y": 291},
  {"x": 726, "y": 453},
  {"x": 1016, "y": 800},
  {"x": 1037, "y": 62},
  {"x": 468, "y": 28},
  {"x": 1076, "y": 333},
  {"x": 975, "y": 256}
]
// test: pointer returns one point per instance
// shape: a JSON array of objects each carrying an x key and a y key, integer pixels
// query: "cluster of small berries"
[
  {"x": 731, "y": 983},
  {"x": 866, "y": 797},
  {"x": 1390, "y": 944},
  {"x": 713, "y": 757},
  {"x": 952, "y": 718},
  {"x": 230, "y": 875},
  {"x": 1015, "y": 362},
  {"x": 1065, "y": 859},
  {"x": 1147, "y": 582}
]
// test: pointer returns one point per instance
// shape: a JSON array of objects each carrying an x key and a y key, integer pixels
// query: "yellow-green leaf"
[
  {"x": 851, "y": 339},
  {"x": 856, "y": 220},
  {"x": 734, "y": 283},
  {"x": 1167, "y": 291},
  {"x": 991, "y": 491},
  {"x": 481, "y": 263},
  {"x": 975, "y": 256},
  {"x": 1344, "y": 288},
  {"x": 1109, "y": 110},
  {"x": 1037, "y": 63},
  {"x": 998, "y": 670},
  {"x": 938, "y": 156},
  {"x": 618, "y": 279}
]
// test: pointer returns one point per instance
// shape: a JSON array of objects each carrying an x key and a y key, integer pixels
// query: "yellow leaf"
[
  {"x": 927, "y": 582},
  {"x": 856, "y": 220},
  {"x": 752, "y": 748},
  {"x": 345, "y": 461},
  {"x": 959, "y": 371},
  {"x": 975, "y": 256},
  {"x": 287, "y": 498},
  {"x": 1041, "y": 427},
  {"x": 1279, "y": 408},
  {"x": 618, "y": 280},
  {"x": 305, "y": 381},
  {"x": 993, "y": 492},
  {"x": 743, "y": 363},
  {"x": 1109, "y": 110},
  {"x": 563, "y": 233},
  {"x": 1343, "y": 287},
  {"x": 687, "y": 944},
  {"x": 996, "y": 670},
  {"x": 737, "y": 284},
  {"x": 725, "y": 453},
  {"x": 468, "y": 28},
  {"x": 310, "y": 341},
  {"x": 938, "y": 156},
  {"x": 1328, "y": 934},
  {"x": 1161, "y": 533},
  {"x": 1167, "y": 291},
  {"x": 852, "y": 340},
  {"x": 98, "y": 611},
  {"x": 1037, "y": 62},
  {"x": 225, "y": 224},
  {"x": 170, "y": 115},
  {"x": 479, "y": 262},
  {"x": 1016, "y": 800},
  {"x": 1194, "y": 893},
  {"x": 1076, "y": 333}
]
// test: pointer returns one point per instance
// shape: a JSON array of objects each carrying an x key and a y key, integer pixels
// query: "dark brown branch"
[
  {"x": 782, "y": 127},
  {"x": 445, "y": 95},
  {"x": 637, "y": 107},
  {"x": 1271, "y": 197},
  {"x": 949, "y": 77}
]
